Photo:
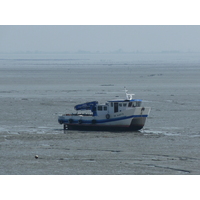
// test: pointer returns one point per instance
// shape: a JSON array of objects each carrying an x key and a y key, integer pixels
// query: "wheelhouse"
[{"x": 119, "y": 105}]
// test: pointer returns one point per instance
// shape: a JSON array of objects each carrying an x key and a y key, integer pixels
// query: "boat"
[{"x": 114, "y": 115}]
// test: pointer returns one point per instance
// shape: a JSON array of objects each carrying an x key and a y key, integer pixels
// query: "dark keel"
[
  {"x": 102, "y": 128},
  {"x": 136, "y": 124}
]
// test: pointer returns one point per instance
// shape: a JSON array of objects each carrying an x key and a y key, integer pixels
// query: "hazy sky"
[{"x": 99, "y": 38}]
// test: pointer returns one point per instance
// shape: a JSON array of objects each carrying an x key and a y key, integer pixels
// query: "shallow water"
[{"x": 35, "y": 89}]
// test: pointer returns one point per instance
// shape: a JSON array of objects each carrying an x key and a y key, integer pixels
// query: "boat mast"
[{"x": 128, "y": 96}]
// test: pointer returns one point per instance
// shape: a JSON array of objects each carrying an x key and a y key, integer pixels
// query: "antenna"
[{"x": 125, "y": 90}]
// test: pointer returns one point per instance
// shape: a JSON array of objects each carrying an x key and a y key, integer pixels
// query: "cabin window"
[
  {"x": 134, "y": 104},
  {"x": 129, "y": 104},
  {"x": 105, "y": 107},
  {"x": 138, "y": 103},
  {"x": 124, "y": 104},
  {"x": 120, "y": 105},
  {"x": 99, "y": 108},
  {"x": 111, "y": 104}
]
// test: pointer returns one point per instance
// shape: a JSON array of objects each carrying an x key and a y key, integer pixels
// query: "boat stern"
[{"x": 61, "y": 119}]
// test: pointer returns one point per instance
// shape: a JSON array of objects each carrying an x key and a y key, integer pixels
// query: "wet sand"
[{"x": 103, "y": 153}]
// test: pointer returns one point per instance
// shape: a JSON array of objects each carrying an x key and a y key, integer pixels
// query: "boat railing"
[{"x": 77, "y": 114}]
